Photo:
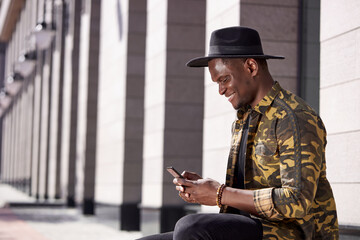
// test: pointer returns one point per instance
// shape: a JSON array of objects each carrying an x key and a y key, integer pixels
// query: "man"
[{"x": 276, "y": 186}]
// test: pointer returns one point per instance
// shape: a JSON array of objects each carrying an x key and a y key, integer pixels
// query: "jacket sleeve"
[{"x": 301, "y": 140}]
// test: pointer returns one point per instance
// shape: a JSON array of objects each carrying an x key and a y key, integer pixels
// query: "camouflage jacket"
[{"x": 285, "y": 165}]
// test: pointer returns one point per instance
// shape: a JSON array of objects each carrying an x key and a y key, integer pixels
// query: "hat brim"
[{"x": 203, "y": 61}]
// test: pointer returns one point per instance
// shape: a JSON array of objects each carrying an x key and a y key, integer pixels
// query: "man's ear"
[{"x": 252, "y": 66}]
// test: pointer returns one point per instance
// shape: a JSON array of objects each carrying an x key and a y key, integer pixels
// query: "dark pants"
[{"x": 213, "y": 226}]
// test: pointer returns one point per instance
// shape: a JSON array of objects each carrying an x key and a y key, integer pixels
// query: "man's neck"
[{"x": 264, "y": 87}]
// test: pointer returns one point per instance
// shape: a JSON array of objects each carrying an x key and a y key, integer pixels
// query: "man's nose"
[{"x": 222, "y": 89}]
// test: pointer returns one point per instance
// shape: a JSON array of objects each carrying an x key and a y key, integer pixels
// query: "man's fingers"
[
  {"x": 186, "y": 197},
  {"x": 182, "y": 181},
  {"x": 180, "y": 188}
]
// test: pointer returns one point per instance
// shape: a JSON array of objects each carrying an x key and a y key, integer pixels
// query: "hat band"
[{"x": 235, "y": 50}]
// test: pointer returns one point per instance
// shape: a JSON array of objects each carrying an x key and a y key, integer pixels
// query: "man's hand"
[{"x": 192, "y": 188}]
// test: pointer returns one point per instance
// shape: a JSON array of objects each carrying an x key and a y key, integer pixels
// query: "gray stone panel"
[
  {"x": 187, "y": 117},
  {"x": 287, "y": 66},
  {"x": 182, "y": 143},
  {"x": 179, "y": 38},
  {"x": 186, "y": 12},
  {"x": 276, "y": 23},
  {"x": 185, "y": 90},
  {"x": 173, "y": 103},
  {"x": 175, "y": 65}
]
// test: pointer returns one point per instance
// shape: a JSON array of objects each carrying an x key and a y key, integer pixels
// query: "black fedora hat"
[{"x": 233, "y": 42}]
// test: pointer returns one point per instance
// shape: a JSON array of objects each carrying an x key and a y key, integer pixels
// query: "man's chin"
[{"x": 238, "y": 107}]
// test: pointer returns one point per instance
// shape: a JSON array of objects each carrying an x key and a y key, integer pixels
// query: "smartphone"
[{"x": 173, "y": 172}]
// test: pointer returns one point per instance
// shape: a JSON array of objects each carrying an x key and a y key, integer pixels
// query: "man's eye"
[{"x": 223, "y": 80}]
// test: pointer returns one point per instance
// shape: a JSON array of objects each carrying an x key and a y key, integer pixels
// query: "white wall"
[
  {"x": 340, "y": 102},
  {"x": 65, "y": 139},
  {"x": 83, "y": 91},
  {"x": 154, "y": 103},
  {"x": 111, "y": 108}
]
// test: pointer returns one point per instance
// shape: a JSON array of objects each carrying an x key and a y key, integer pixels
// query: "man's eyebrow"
[{"x": 217, "y": 80}]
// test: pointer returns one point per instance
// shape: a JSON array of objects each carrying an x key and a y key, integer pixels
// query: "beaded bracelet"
[{"x": 219, "y": 193}]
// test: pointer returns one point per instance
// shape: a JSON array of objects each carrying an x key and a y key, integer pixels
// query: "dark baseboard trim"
[
  {"x": 125, "y": 216},
  {"x": 169, "y": 216},
  {"x": 88, "y": 206},
  {"x": 164, "y": 218},
  {"x": 130, "y": 217},
  {"x": 37, "y": 204},
  {"x": 349, "y": 230},
  {"x": 70, "y": 201}
]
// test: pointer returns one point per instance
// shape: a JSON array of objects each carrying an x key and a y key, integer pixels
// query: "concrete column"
[
  {"x": 78, "y": 176},
  {"x": 90, "y": 108},
  {"x": 173, "y": 107},
  {"x": 19, "y": 154},
  {"x": 40, "y": 161},
  {"x": 278, "y": 27},
  {"x": 55, "y": 108},
  {"x": 45, "y": 82},
  {"x": 309, "y": 51},
  {"x": 4, "y": 147},
  {"x": 8, "y": 148},
  {"x": 134, "y": 116},
  {"x": 15, "y": 143},
  {"x": 7, "y": 151},
  {"x": 11, "y": 142},
  {"x": 5, "y": 154},
  {"x": 21, "y": 143},
  {"x": 120, "y": 113},
  {"x": 35, "y": 137},
  {"x": 61, "y": 14},
  {"x": 339, "y": 103},
  {"x": 2, "y": 77},
  {"x": 48, "y": 102},
  {"x": 2, "y": 63},
  {"x": 23, "y": 137},
  {"x": 12, "y": 146},
  {"x": 73, "y": 40},
  {"x": 111, "y": 110},
  {"x": 33, "y": 115},
  {"x": 30, "y": 129}
]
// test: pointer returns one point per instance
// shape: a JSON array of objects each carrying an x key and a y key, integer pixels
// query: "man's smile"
[{"x": 231, "y": 97}]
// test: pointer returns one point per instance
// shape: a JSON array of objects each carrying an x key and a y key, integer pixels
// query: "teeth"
[{"x": 230, "y": 96}]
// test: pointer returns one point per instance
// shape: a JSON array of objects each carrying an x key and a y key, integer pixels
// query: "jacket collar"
[{"x": 264, "y": 104}]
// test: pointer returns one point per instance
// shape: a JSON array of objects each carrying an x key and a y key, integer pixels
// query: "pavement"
[{"x": 22, "y": 218}]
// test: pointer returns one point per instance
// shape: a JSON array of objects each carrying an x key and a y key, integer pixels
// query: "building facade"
[{"x": 96, "y": 100}]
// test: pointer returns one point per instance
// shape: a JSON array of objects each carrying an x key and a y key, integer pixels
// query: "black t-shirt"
[{"x": 242, "y": 155}]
